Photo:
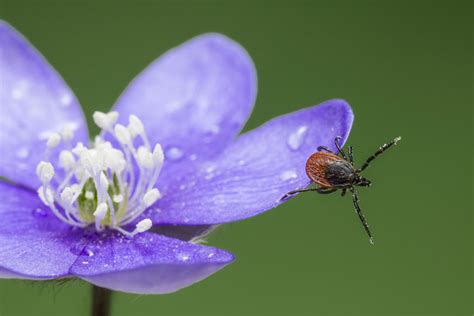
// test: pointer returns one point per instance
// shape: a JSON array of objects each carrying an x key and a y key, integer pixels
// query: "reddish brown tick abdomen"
[{"x": 316, "y": 166}]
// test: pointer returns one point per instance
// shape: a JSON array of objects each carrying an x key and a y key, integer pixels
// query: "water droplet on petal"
[
  {"x": 288, "y": 175},
  {"x": 87, "y": 252},
  {"x": 210, "y": 172},
  {"x": 241, "y": 162},
  {"x": 219, "y": 199},
  {"x": 296, "y": 139},
  {"x": 65, "y": 99},
  {"x": 210, "y": 169},
  {"x": 17, "y": 94},
  {"x": 40, "y": 213},
  {"x": 76, "y": 249},
  {"x": 193, "y": 157},
  {"x": 23, "y": 153},
  {"x": 174, "y": 153},
  {"x": 183, "y": 256}
]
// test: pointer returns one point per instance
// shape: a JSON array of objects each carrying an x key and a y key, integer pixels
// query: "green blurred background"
[{"x": 406, "y": 68}]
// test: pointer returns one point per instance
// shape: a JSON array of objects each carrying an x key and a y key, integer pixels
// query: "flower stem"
[{"x": 100, "y": 301}]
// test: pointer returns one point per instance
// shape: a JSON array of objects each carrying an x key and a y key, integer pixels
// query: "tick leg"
[
  {"x": 338, "y": 146},
  {"x": 325, "y": 191},
  {"x": 320, "y": 148},
  {"x": 296, "y": 191},
  {"x": 349, "y": 153},
  {"x": 343, "y": 192},
  {"x": 378, "y": 152},
  {"x": 319, "y": 190},
  {"x": 355, "y": 200}
]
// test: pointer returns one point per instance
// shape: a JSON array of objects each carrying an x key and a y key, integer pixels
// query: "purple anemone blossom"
[{"x": 125, "y": 210}]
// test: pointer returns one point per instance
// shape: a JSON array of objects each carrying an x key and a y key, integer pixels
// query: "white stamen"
[
  {"x": 89, "y": 161},
  {"x": 135, "y": 126},
  {"x": 118, "y": 198},
  {"x": 89, "y": 195},
  {"x": 115, "y": 160},
  {"x": 47, "y": 198},
  {"x": 100, "y": 211},
  {"x": 66, "y": 160},
  {"x": 45, "y": 171},
  {"x": 122, "y": 134},
  {"x": 145, "y": 157},
  {"x": 143, "y": 225},
  {"x": 75, "y": 188},
  {"x": 67, "y": 195},
  {"x": 67, "y": 132},
  {"x": 79, "y": 149},
  {"x": 117, "y": 187},
  {"x": 53, "y": 140},
  {"x": 158, "y": 155},
  {"x": 103, "y": 181},
  {"x": 151, "y": 197},
  {"x": 105, "y": 120}
]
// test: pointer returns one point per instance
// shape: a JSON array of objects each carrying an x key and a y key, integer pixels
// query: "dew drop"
[
  {"x": 219, "y": 199},
  {"x": 17, "y": 94},
  {"x": 85, "y": 262},
  {"x": 66, "y": 99},
  {"x": 241, "y": 162},
  {"x": 210, "y": 169},
  {"x": 211, "y": 131},
  {"x": 174, "y": 153},
  {"x": 193, "y": 157},
  {"x": 296, "y": 139},
  {"x": 183, "y": 257},
  {"x": 87, "y": 252},
  {"x": 40, "y": 213},
  {"x": 210, "y": 172},
  {"x": 76, "y": 249},
  {"x": 23, "y": 153},
  {"x": 288, "y": 175}
]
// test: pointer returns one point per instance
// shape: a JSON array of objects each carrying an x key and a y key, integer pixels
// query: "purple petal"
[
  {"x": 148, "y": 263},
  {"x": 253, "y": 174},
  {"x": 195, "y": 98},
  {"x": 34, "y": 244},
  {"x": 34, "y": 101}
]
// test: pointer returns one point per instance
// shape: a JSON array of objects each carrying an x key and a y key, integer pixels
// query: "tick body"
[{"x": 335, "y": 171}]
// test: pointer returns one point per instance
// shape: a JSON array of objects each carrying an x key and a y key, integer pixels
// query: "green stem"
[{"x": 100, "y": 301}]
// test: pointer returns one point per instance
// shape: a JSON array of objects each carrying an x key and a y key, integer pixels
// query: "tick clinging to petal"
[{"x": 336, "y": 171}]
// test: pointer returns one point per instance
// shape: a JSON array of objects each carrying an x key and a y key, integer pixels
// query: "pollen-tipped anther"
[
  {"x": 135, "y": 126},
  {"x": 151, "y": 197},
  {"x": 143, "y": 225},
  {"x": 53, "y": 140},
  {"x": 122, "y": 134},
  {"x": 105, "y": 120},
  {"x": 45, "y": 171}
]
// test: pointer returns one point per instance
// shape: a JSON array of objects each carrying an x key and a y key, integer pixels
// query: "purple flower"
[{"x": 124, "y": 211}]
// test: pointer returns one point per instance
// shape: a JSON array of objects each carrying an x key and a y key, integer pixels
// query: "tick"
[{"x": 335, "y": 171}]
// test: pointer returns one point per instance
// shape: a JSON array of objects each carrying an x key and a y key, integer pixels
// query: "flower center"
[{"x": 104, "y": 185}]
